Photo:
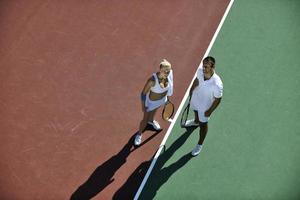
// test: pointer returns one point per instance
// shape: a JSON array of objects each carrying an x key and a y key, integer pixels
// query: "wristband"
[{"x": 143, "y": 97}]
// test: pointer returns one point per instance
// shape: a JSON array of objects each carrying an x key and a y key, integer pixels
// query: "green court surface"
[{"x": 252, "y": 150}]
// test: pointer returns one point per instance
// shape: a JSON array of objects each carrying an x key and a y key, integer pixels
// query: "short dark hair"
[{"x": 209, "y": 59}]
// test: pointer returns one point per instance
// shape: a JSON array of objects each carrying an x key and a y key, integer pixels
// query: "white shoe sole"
[{"x": 195, "y": 154}]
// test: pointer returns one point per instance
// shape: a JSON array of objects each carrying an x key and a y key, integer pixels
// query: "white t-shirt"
[{"x": 206, "y": 92}]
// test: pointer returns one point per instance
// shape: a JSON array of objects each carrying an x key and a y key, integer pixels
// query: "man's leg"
[
  {"x": 202, "y": 132},
  {"x": 193, "y": 122},
  {"x": 196, "y": 117},
  {"x": 202, "y": 135}
]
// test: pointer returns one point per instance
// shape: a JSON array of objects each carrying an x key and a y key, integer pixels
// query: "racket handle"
[{"x": 190, "y": 97}]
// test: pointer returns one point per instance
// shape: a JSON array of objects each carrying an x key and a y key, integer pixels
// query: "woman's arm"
[{"x": 150, "y": 83}]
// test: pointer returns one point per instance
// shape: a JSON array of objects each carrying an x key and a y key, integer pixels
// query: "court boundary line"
[{"x": 161, "y": 146}]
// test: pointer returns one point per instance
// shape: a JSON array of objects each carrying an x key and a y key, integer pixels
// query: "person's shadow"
[
  {"x": 103, "y": 174},
  {"x": 158, "y": 176}
]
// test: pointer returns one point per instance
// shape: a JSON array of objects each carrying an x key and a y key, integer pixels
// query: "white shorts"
[
  {"x": 152, "y": 105},
  {"x": 201, "y": 115}
]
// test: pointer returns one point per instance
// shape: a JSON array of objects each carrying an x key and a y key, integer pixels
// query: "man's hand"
[
  {"x": 207, "y": 113},
  {"x": 213, "y": 107}
]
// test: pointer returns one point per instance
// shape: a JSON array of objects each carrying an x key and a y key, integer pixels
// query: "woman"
[{"x": 155, "y": 94}]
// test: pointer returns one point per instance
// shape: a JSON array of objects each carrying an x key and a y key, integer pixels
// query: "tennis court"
[{"x": 71, "y": 74}]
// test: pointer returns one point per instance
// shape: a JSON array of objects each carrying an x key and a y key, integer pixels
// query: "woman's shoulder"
[{"x": 151, "y": 80}]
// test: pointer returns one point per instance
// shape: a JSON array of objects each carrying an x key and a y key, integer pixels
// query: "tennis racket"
[
  {"x": 185, "y": 114},
  {"x": 168, "y": 111}
]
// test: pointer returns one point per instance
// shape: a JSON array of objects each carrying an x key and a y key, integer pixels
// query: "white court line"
[{"x": 181, "y": 105}]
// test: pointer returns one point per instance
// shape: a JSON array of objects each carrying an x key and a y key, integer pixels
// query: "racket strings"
[
  {"x": 184, "y": 115},
  {"x": 168, "y": 111}
]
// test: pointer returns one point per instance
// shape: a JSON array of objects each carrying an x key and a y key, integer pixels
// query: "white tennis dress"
[
  {"x": 152, "y": 105},
  {"x": 205, "y": 93}
]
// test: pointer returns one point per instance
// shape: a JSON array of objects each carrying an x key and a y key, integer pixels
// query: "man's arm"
[
  {"x": 213, "y": 107},
  {"x": 195, "y": 84}
]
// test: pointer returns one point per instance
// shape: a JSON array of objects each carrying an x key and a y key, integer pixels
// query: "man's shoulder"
[
  {"x": 199, "y": 73},
  {"x": 217, "y": 79}
]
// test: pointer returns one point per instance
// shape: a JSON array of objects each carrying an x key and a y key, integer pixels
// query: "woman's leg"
[
  {"x": 151, "y": 121},
  {"x": 143, "y": 123},
  {"x": 152, "y": 114}
]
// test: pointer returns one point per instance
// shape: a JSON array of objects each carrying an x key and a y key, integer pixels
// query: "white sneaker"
[
  {"x": 138, "y": 139},
  {"x": 196, "y": 150},
  {"x": 190, "y": 123},
  {"x": 155, "y": 125}
]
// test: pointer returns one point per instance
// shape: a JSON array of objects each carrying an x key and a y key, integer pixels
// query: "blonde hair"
[{"x": 164, "y": 63}]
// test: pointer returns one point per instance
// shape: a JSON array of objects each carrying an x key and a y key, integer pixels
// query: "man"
[{"x": 206, "y": 92}]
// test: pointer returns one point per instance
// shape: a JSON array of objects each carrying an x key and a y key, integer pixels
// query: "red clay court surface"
[{"x": 71, "y": 75}]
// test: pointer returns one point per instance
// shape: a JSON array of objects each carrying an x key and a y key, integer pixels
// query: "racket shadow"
[{"x": 102, "y": 176}]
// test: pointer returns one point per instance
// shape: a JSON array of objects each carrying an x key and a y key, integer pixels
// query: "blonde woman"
[{"x": 155, "y": 94}]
